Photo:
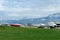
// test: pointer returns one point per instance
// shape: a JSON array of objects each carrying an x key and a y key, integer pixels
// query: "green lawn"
[{"x": 17, "y": 33}]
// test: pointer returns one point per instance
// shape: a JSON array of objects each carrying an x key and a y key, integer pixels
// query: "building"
[
  {"x": 54, "y": 25},
  {"x": 57, "y": 25},
  {"x": 16, "y": 25}
]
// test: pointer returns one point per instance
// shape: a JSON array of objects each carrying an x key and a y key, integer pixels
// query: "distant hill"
[{"x": 52, "y": 17}]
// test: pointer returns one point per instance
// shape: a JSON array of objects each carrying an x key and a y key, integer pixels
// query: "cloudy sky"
[{"x": 18, "y": 9}]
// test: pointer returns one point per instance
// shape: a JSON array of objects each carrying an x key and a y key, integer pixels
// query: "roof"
[{"x": 15, "y": 24}]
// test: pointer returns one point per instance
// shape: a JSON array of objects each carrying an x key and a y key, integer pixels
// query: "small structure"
[
  {"x": 5, "y": 24},
  {"x": 52, "y": 25},
  {"x": 42, "y": 25},
  {"x": 37, "y": 25},
  {"x": 16, "y": 25},
  {"x": 57, "y": 25},
  {"x": 29, "y": 24}
]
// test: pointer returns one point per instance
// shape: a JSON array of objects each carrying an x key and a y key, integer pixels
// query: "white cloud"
[
  {"x": 1, "y": 5},
  {"x": 13, "y": 15},
  {"x": 16, "y": 9},
  {"x": 52, "y": 9},
  {"x": 31, "y": 9},
  {"x": 12, "y": 9}
]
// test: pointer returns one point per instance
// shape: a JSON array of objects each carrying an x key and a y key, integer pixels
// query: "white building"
[{"x": 52, "y": 24}]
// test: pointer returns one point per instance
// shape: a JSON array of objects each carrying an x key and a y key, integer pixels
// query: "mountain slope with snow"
[{"x": 53, "y": 17}]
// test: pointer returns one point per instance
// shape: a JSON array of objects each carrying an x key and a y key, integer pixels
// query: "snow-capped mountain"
[{"x": 53, "y": 17}]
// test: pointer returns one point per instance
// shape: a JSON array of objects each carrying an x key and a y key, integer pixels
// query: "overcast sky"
[{"x": 17, "y": 9}]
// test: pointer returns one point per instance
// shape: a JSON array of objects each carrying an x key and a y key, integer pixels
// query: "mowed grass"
[{"x": 18, "y": 33}]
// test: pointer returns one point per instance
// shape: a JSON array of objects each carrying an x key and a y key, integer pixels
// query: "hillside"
[{"x": 52, "y": 17}]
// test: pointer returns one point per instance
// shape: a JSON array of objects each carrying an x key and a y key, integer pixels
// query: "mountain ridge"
[{"x": 45, "y": 20}]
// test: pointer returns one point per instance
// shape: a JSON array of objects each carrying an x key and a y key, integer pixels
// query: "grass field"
[{"x": 17, "y": 33}]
